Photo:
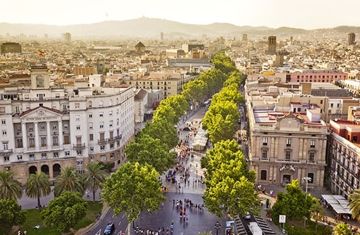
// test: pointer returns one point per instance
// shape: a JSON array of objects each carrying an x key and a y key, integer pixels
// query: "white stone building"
[{"x": 47, "y": 129}]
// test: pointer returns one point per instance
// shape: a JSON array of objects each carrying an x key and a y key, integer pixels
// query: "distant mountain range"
[{"x": 152, "y": 27}]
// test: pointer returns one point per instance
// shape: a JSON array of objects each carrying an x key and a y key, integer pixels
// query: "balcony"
[
  {"x": 118, "y": 137},
  {"x": 79, "y": 146},
  {"x": 111, "y": 140},
  {"x": 102, "y": 141},
  {"x": 4, "y": 151}
]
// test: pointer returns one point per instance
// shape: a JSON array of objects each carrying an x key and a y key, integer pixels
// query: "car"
[{"x": 109, "y": 229}]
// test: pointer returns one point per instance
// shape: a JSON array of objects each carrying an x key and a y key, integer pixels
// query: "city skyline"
[{"x": 270, "y": 13}]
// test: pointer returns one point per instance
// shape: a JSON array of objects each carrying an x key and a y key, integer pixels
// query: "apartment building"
[
  {"x": 170, "y": 83},
  {"x": 344, "y": 156},
  {"x": 317, "y": 76},
  {"x": 47, "y": 129}
]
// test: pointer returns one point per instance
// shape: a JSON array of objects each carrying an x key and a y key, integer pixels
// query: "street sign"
[{"x": 282, "y": 219}]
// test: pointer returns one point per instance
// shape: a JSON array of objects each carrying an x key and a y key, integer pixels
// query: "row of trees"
[
  {"x": 135, "y": 186},
  {"x": 230, "y": 185},
  {"x": 38, "y": 185},
  {"x": 221, "y": 120}
]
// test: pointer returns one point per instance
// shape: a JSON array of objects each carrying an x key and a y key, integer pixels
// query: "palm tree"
[
  {"x": 10, "y": 188},
  {"x": 94, "y": 177},
  {"x": 354, "y": 200},
  {"x": 68, "y": 180},
  {"x": 38, "y": 185}
]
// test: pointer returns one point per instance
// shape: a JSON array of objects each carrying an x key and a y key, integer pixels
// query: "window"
[
  {"x": 4, "y": 133},
  {"x": 5, "y": 146},
  {"x": 77, "y": 118},
  {"x": 3, "y": 122},
  {"x": 55, "y": 155},
  {"x": 90, "y": 125},
  {"x": 67, "y": 153},
  {"x": 77, "y": 127},
  {"x": 311, "y": 157},
  {"x": 288, "y": 142},
  {"x": 101, "y": 115},
  {"x": 264, "y": 155},
  {"x": 321, "y": 101},
  {"x": 312, "y": 143},
  {"x": 101, "y": 125},
  {"x": 6, "y": 158},
  {"x": 43, "y": 155},
  {"x": 110, "y": 113},
  {"x": 55, "y": 140},
  {"x": 91, "y": 137},
  {"x": 79, "y": 152},
  {"x": 111, "y": 123},
  {"x": 19, "y": 157},
  {"x": 102, "y": 147},
  {"x": 90, "y": 115},
  {"x": 91, "y": 149},
  {"x": 265, "y": 141},
  {"x": 77, "y": 105},
  {"x": 332, "y": 105},
  {"x": 287, "y": 155},
  {"x": 43, "y": 141},
  {"x": 263, "y": 174},
  {"x": 311, "y": 176}
]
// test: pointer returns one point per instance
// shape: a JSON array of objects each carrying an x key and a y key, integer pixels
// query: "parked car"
[{"x": 109, "y": 229}]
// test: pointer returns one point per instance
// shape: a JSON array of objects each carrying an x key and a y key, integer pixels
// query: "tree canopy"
[
  {"x": 354, "y": 201},
  {"x": 162, "y": 130},
  {"x": 69, "y": 180},
  {"x": 133, "y": 188},
  {"x": 230, "y": 188},
  {"x": 64, "y": 211},
  {"x": 294, "y": 203},
  {"x": 10, "y": 188},
  {"x": 94, "y": 177},
  {"x": 38, "y": 185},
  {"x": 10, "y": 213},
  {"x": 147, "y": 150},
  {"x": 342, "y": 229}
]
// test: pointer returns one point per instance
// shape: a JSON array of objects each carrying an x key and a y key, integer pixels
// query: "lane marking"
[{"x": 98, "y": 232}]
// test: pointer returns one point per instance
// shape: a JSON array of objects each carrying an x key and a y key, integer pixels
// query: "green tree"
[
  {"x": 64, "y": 211},
  {"x": 94, "y": 177},
  {"x": 232, "y": 196},
  {"x": 38, "y": 185},
  {"x": 151, "y": 151},
  {"x": 225, "y": 156},
  {"x": 133, "y": 188},
  {"x": 342, "y": 229},
  {"x": 69, "y": 180},
  {"x": 162, "y": 130},
  {"x": 178, "y": 103},
  {"x": 10, "y": 188},
  {"x": 10, "y": 214},
  {"x": 195, "y": 90},
  {"x": 354, "y": 201},
  {"x": 223, "y": 62},
  {"x": 293, "y": 203}
]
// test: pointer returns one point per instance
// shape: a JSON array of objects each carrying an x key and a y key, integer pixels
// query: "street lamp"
[{"x": 217, "y": 227}]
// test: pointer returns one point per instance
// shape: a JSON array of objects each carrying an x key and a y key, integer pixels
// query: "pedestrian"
[{"x": 173, "y": 203}]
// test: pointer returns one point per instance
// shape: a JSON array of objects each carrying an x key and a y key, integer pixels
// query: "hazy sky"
[{"x": 295, "y": 13}]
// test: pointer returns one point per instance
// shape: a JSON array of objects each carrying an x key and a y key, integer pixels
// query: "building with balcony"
[
  {"x": 49, "y": 129},
  {"x": 344, "y": 156},
  {"x": 287, "y": 145}
]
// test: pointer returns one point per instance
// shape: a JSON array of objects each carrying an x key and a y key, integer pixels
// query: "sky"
[{"x": 307, "y": 14}]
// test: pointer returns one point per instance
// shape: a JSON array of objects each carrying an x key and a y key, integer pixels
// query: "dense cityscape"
[{"x": 155, "y": 127}]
